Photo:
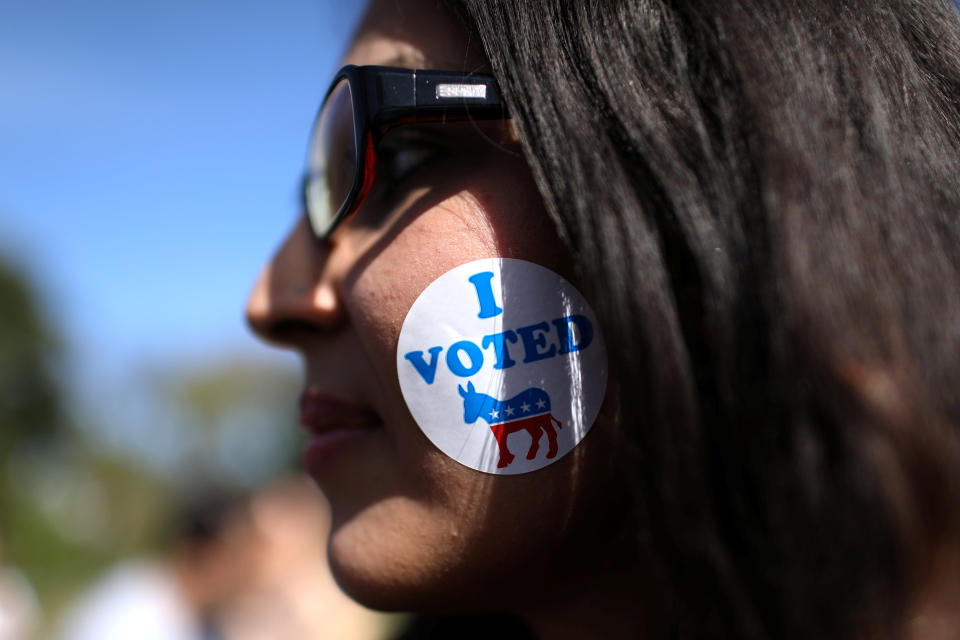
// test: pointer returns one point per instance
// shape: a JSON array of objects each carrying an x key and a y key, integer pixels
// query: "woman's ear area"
[{"x": 511, "y": 135}]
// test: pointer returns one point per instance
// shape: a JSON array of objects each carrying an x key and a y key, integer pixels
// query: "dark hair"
[
  {"x": 204, "y": 516},
  {"x": 762, "y": 197}
]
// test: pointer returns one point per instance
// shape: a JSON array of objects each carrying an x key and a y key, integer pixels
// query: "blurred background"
[{"x": 149, "y": 162}]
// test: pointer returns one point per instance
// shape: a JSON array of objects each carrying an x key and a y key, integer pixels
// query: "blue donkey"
[{"x": 527, "y": 411}]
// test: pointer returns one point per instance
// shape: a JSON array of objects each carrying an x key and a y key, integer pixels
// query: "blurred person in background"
[
  {"x": 759, "y": 199},
  {"x": 238, "y": 567},
  {"x": 291, "y": 594},
  {"x": 179, "y": 596},
  {"x": 19, "y": 608}
]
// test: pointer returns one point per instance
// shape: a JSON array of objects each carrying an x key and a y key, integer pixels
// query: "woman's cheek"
[
  {"x": 500, "y": 214},
  {"x": 422, "y": 249}
]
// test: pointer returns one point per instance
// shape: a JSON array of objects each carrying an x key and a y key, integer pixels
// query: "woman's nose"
[{"x": 296, "y": 292}]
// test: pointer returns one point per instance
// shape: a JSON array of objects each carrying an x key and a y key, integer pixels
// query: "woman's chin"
[
  {"x": 371, "y": 571},
  {"x": 396, "y": 555}
]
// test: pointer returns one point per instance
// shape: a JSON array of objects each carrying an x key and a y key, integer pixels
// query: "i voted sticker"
[{"x": 502, "y": 365}]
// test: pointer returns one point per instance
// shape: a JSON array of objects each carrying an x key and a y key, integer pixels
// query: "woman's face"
[{"x": 410, "y": 525}]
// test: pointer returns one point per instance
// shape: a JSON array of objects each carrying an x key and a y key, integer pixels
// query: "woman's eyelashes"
[
  {"x": 416, "y": 158},
  {"x": 400, "y": 156}
]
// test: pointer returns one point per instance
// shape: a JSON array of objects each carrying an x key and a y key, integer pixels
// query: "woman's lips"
[{"x": 332, "y": 425}]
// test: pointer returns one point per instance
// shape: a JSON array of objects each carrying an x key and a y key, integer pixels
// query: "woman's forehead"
[{"x": 415, "y": 34}]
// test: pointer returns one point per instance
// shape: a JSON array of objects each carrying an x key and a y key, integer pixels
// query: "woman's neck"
[{"x": 611, "y": 605}]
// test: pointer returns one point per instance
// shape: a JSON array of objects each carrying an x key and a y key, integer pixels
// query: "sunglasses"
[{"x": 362, "y": 104}]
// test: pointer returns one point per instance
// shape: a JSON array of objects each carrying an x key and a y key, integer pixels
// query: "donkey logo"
[{"x": 527, "y": 411}]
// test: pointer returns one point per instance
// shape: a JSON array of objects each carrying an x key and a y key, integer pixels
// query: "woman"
[{"x": 760, "y": 202}]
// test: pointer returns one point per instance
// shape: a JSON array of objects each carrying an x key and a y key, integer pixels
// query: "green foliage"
[
  {"x": 75, "y": 498},
  {"x": 30, "y": 400},
  {"x": 238, "y": 420}
]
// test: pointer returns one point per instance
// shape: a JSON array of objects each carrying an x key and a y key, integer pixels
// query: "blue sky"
[{"x": 149, "y": 156}]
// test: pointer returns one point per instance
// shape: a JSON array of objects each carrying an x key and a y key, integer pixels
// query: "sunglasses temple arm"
[{"x": 396, "y": 95}]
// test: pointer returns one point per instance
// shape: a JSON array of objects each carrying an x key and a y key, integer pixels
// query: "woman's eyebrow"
[
  {"x": 404, "y": 60},
  {"x": 414, "y": 59}
]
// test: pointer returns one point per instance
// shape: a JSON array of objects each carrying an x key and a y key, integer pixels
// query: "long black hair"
[{"x": 762, "y": 197}]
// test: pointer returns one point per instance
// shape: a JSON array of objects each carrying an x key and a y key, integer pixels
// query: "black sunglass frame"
[{"x": 385, "y": 97}]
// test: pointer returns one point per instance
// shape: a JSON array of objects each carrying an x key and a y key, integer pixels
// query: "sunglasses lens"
[{"x": 332, "y": 163}]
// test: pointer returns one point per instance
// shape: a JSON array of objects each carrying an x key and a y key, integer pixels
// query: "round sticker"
[{"x": 502, "y": 364}]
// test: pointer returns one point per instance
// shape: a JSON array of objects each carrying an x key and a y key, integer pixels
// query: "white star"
[
  {"x": 525, "y": 407},
  {"x": 510, "y": 410},
  {"x": 494, "y": 414},
  {"x": 541, "y": 404}
]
